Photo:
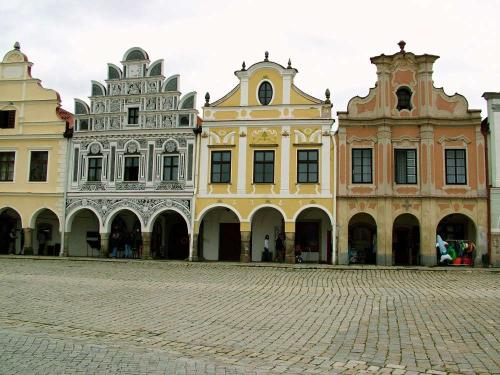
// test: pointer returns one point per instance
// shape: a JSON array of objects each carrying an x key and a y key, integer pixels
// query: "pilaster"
[
  {"x": 104, "y": 245},
  {"x": 146, "y": 245},
  {"x": 28, "y": 241},
  {"x": 245, "y": 246},
  {"x": 290, "y": 247}
]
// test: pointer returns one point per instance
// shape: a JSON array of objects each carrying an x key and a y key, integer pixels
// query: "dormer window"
[
  {"x": 265, "y": 93},
  {"x": 404, "y": 98}
]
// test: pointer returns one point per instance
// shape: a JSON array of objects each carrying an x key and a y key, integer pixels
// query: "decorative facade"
[
  {"x": 132, "y": 164},
  {"x": 265, "y": 174},
  {"x": 411, "y": 165},
  {"x": 33, "y": 148},
  {"x": 493, "y": 130}
]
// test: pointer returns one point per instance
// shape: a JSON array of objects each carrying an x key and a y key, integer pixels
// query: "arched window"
[
  {"x": 265, "y": 93},
  {"x": 404, "y": 98}
]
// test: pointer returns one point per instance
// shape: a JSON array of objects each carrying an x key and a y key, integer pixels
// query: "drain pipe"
[
  {"x": 334, "y": 195},
  {"x": 197, "y": 131}
]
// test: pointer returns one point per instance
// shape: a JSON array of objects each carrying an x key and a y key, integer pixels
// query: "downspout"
[
  {"x": 68, "y": 134},
  {"x": 485, "y": 131},
  {"x": 334, "y": 195},
  {"x": 197, "y": 132}
]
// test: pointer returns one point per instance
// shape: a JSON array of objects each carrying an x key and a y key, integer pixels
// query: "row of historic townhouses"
[
  {"x": 411, "y": 166},
  {"x": 265, "y": 169},
  {"x": 131, "y": 183},
  {"x": 33, "y": 152},
  {"x": 493, "y": 129}
]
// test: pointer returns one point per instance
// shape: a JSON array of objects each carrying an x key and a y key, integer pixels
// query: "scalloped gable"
[{"x": 405, "y": 69}]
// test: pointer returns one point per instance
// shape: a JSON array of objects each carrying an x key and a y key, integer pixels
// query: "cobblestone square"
[{"x": 107, "y": 317}]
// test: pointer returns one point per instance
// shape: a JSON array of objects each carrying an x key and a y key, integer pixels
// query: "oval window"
[
  {"x": 265, "y": 93},
  {"x": 404, "y": 98}
]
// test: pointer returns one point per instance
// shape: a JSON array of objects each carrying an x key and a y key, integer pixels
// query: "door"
[{"x": 229, "y": 242}]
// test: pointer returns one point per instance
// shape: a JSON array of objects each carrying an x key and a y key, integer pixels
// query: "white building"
[
  {"x": 131, "y": 177},
  {"x": 493, "y": 121}
]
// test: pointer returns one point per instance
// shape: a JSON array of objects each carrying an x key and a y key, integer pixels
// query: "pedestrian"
[
  {"x": 280, "y": 249},
  {"x": 12, "y": 241},
  {"x": 115, "y": 242},
  {"x": 266, "y": 255},
  {"x": 127, "y": 245}
]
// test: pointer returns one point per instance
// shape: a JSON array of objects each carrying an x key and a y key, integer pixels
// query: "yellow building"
[
  {"x": 33, "y": 152},
  {"x": 265, "y": 167}
]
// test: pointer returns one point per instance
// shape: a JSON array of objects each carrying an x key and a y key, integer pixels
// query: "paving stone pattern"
[{"x": 112, "y": 317}]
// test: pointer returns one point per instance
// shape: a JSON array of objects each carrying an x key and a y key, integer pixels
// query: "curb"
[{"x": 257, "y": 264}]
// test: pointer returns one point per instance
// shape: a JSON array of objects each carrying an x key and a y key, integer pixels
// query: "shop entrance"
[
  {"x": 84, "y": 239},
  {"x": 229, "y": 242},
  {"x": 11, "y": 233},
  {"x": 47, "y": 239},
  {"x": 406, "y": 240},
  {"x": 362, "y": 240},
  {"x": 460, "y": 233},
  {"x": 170, "y": 238},
  {"x": 125, "y": 239},
  {"x": 267, "y": 221},
  {"x": 313, "y": 235}
]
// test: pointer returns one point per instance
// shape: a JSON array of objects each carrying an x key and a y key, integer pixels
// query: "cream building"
[
  {"x": 265, "y": 167},
  {"x": 33, "y": 148}
]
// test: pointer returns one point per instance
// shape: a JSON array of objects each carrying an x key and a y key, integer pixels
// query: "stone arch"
[
  {"x": 314, "y": 234},
  {"x": 307, "y": 206},
  {"x": 456, "y": 226},
  {"x": 152, "y": 219},
  {"x": 115, "y": 212},
  {"x": 10, "y": 220},
  {"x": 266, "y": 220},
  {"x": 270, "y": 205},
  {"x": 362, "y": 238},
  {"x": 215, "y": 222},
  {"x": 18, "y": 212},
  {"x": 35, "y": 214},
  {"x": 129, "y": 142},
  {"x": 70, "y": 216},
  {"x": 215, "y": 205},
  {"x": 406, "y": 240}
]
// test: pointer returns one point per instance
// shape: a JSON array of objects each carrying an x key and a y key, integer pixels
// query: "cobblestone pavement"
[{"x": 74, "y": 317}]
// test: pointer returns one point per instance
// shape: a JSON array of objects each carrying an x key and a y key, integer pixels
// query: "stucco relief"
[
  {"x": 145, "y": 207},
  {"x": 264, "y": 136},
  {"x": 307, "y": 135}
]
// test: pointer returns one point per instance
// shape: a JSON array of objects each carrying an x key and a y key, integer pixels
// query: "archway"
[
  {"x": 406, "y": 241},
  {"x": 84, "y": 239},
  {"x": 170, "y": 237},
  {"x": 125, "y": 238},
  {"x": 11, "y": 232},
  {"x": 362, "y": 239},
  {"x": 313, "y": 235},
  {"x": 47, "y": 237},
  {"x": 219, "y": 235},
  {"x": 266, "y": 221},
  {"x": 456, "y": 229}
]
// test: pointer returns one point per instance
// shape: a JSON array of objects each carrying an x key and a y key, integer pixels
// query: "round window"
[{"x": 265, "y": 93}]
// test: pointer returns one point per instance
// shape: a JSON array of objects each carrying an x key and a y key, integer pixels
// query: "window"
[
  {"x": 265, "y": 93},
  {"x": 455, "y": 167},
  {"x": 404, "y": 98},
  {"x": 362, "y": 165},
  {"x": 131, "y": 168},
  {"x": 83, "y": 124},
  {"x": 307, "y": 166},
  {"x": 184, "y": 120},
  {"x": 406, "y": 166},
  {"x": 7, "y": 166},
  {"x": 263, "y": 167},
  {"x": 133, "y": 116},
  {"x": 38, "y": 166},
  {"x": 170, "y": 168},
  {"x": 95, "y": 168},
  {"x": 221, "y": 166},
  {"x": 7, "y": 119}
]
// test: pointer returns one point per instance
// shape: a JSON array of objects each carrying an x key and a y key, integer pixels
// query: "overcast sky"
[{"x": 329, "y": 42}]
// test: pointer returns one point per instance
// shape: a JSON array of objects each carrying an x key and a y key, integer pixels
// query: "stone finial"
[
  {"x": 289, "y": 66},
  {"x": 207, "y": 100},
  {"x": 327, "y": 95},
  {"x": 243, "y": 66},
  {"x": 402, "y": 45},
  {"x": 266, "y": 56},
  {"x": 17, "y": 46}
]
